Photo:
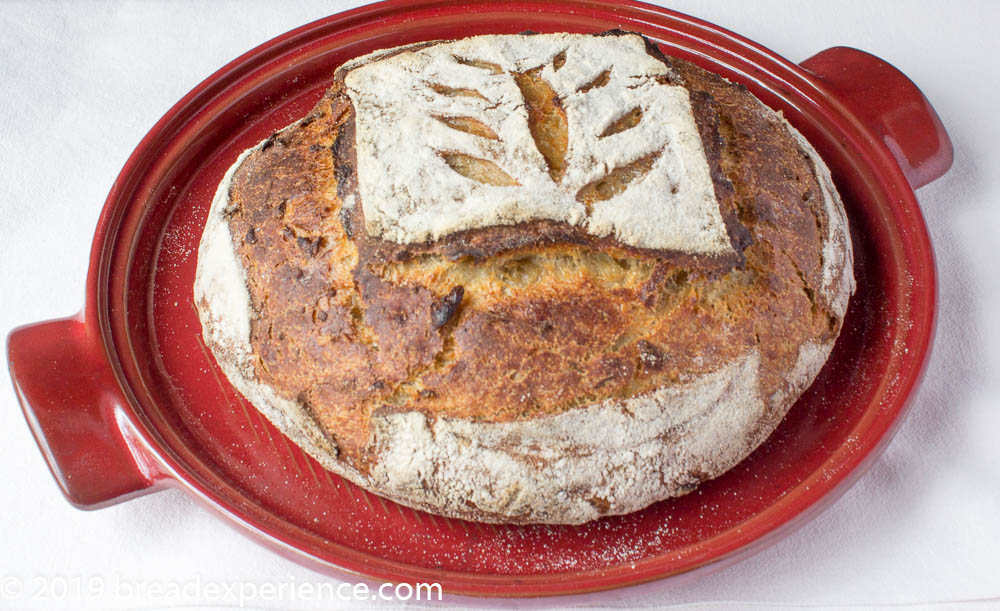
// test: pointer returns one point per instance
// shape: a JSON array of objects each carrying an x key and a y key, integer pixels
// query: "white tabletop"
[{"x": 83, "y": 82}]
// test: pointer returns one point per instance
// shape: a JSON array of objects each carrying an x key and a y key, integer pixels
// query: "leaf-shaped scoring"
[
  {"x": 468, "y": 125},
  {"x": 550, "y": 132},
  {"x": 627, "y": 121},
  {"x": 480, "y": 170},
  {"x": 616, "y": 181},
  {"x": 546, "y": 120},
  {"x": 477, "y": 132}
]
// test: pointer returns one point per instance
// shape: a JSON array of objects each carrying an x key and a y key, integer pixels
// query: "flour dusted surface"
[
  {"x": 410, "y": 194},
  {"x": 611, "y": 457}
]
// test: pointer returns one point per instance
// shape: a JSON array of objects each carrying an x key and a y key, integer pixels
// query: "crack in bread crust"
[{"x": 541, "y": 324}]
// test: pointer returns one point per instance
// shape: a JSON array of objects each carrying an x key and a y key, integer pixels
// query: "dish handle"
[
  {"x": 76, "y": 411},
  {"x": 891, "y": 106}
]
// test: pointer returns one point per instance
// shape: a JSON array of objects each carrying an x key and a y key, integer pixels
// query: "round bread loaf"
[{"x": 531, "y": 278}]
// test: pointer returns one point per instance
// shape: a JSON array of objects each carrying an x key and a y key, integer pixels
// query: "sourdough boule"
[{"x": 526, "y": 278}]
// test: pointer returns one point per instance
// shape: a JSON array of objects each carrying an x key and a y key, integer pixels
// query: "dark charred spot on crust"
[
  {"x": 251, "y": 237},
  {"x": 698, "y": 475},
  {"x": 347, "y": 221},
  {"x": 684, "y": 488},
  {"x": 309, "y": 246},
  {"x": 427, "y": 393},
  {"x": 600, "y": 504},
  {"x": 442, "y": 311},
  {"x": 343, "y": 174},
  {"x": 650, "y": 356},
  {"x": 649, "y": 292},
  {"x": 706, "y": 115},
  {"x": 280, "y": 137},
  {"x": 612, "y": 370},
  {"x": 303, "y": 400},
  {"x": 344, "y": 159},
  {"x": 738, "y": 234},
  {"x": 615, "y": 32},
  {"x": 547, "y": 328},
  {"x": 654, "y": 50},
  {"x": 665, "y": 79}
]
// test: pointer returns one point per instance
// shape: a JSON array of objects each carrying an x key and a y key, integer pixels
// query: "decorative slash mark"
[
  {"x": 600, "y": 80},
  {"x": 549, "y": 128},
  {"x": 480, "y": 170},
  {"x": 469, "y": 125},
  {"x": 546, "y": 120},
  {"x": 616, "y": 181},
  {"x": 478, "y": 63},
  {"x": 452, "y": 92},
  {"x": 559, "y": 60},
  {"x": 627, "y": 121}
]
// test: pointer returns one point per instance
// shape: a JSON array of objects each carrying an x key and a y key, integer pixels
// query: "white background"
[{"x": 81, "y": 83}]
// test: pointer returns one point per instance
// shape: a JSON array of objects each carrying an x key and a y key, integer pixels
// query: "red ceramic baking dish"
[{"x": 124, "y": 398}]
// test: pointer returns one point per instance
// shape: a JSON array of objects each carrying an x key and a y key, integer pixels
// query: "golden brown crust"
[{"x": 513, "y": 323}]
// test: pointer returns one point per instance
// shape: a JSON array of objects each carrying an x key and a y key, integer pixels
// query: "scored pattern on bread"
[
  {"x": 546, "y": 119},
  {"x": 582, "y": 130},
  {"x": 524, "y": 373}
]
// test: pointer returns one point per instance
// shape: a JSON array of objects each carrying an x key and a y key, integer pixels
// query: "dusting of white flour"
[
  {"x": 561, "y": 468},
  {"x": 410, "y": 194}
]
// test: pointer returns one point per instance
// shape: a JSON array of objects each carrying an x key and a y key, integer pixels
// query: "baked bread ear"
[{"x": 531, "y": 278}]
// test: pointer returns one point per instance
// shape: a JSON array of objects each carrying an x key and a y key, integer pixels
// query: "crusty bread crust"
[{"x": 524, "y": 373}]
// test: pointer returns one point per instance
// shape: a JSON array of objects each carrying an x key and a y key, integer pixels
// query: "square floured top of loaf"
[{"x": 501, "y": 129}]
